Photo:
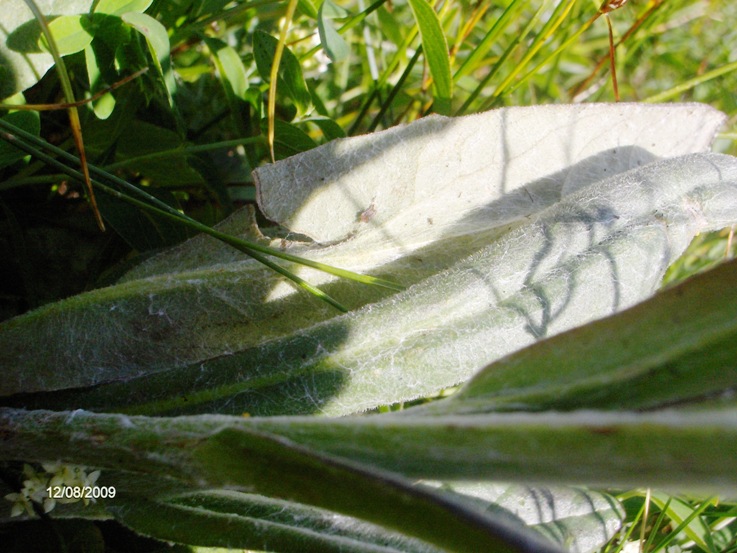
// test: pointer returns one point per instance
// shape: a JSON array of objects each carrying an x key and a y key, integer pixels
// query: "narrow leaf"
[
  {"x": 675, "y": 449},
  {"x": 332, "y": 42},
  {"x": 250, "y": 460},
  {"x": 258, "y": 522},
  {"x": 435, "y": 48}
]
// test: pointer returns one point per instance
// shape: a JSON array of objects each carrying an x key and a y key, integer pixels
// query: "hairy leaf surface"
[{"x": 198, "y": 330}]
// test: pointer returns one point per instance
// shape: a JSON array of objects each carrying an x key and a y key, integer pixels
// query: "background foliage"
[{"x": 191, "y": 128}]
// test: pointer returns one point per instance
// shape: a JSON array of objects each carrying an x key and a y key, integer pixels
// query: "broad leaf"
[
  {"x": 516, "y": 264},
  {"x": 155, "y": 33},
  {"x": 674, "y": 349},
  {"x": 579, "y": 520},
  {"x": 119, "y": 7},
  {"x": 290, "y": 139},
  {"x": 71, "y": 34},
  {"x": 157, "y": 40},
  {"x": 140, "y": 139},
  {"x": 24, "y": 63},
  {"x": 307, "y": 8},
  {"x": 457, "y": 171},
  {"x": 104, "y": 106},
  {"x": 330, "y": 129},
  {"x": 334, "y": 45},
  {"x": 668, "y": 448}
]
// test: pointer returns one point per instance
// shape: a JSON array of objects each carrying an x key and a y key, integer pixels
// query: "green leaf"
[
  {"x": 307, "y": 7},
  {"x": 576, "y": 518},
  {"x": 141, "y": 231},
  {"x": 391, "y": 28},
  {"x": 242, "y": 458},
  {"x": 202, "y": 8},
  {"x": 678, "y": 512},
  {"x": 332, "y": 42},
  {"x": 290, "y": 139},
  {"x": 328, "y": 463},
  {"x": 158, "y": 45},
  {"x": 71, "y": 34},
  {"x": 283, "y": 469},
  {"x": 139, "y": 140},
  {"x": 155, "y": 33},
  {"x": 26, "y": 120},
  {"x": 230, "y": 66},
  {"x": 23, "y": 61},
  {"x": 104, "y": 106},
  {"x": 540, "y": 248},
  {"x": 257, "y": 522},
  {"x": 291, "y": 82},
  {"x": 120, "y": 7},
  {"x": 435, "y": 48},
  {"x": 330, "y": 129},
  {"x": 670, "y": 350},
  {"x": 666, "y": 449}
]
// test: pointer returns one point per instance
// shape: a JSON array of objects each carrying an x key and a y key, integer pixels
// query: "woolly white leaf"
[
  {"x": 443, "y": 168},
  {"x": 205, "y": 332}
]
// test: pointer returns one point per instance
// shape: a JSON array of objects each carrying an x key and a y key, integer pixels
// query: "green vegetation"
[{"x": 167, "y": 106}]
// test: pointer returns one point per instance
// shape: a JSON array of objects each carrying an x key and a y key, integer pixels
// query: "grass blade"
[
  {"x": 435, "y": 48},
  {"x": 74, "y": 122},
  {"x": 271, "y": 109}
]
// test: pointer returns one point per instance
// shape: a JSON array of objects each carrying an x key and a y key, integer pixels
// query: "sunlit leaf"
[
  {"x": 105, "y": 105},
  {"x": 435, "y": 49},
  {"x": 157, "y": 40},
  {"x": 154, "y": 32},
  {"x": 230, "y": 66},
  {"x": 497, "y": 260},
  {"x": 673, "y": 349},
  {"x": 71, "y": 34},
  {"x": 333, "y": 43},
  {"x": 120, "y": 7}
]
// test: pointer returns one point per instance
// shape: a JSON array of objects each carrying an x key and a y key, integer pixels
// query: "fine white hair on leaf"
[
  {"x": 597, "y": 251},
  {"x": 542, "y": 246}
]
